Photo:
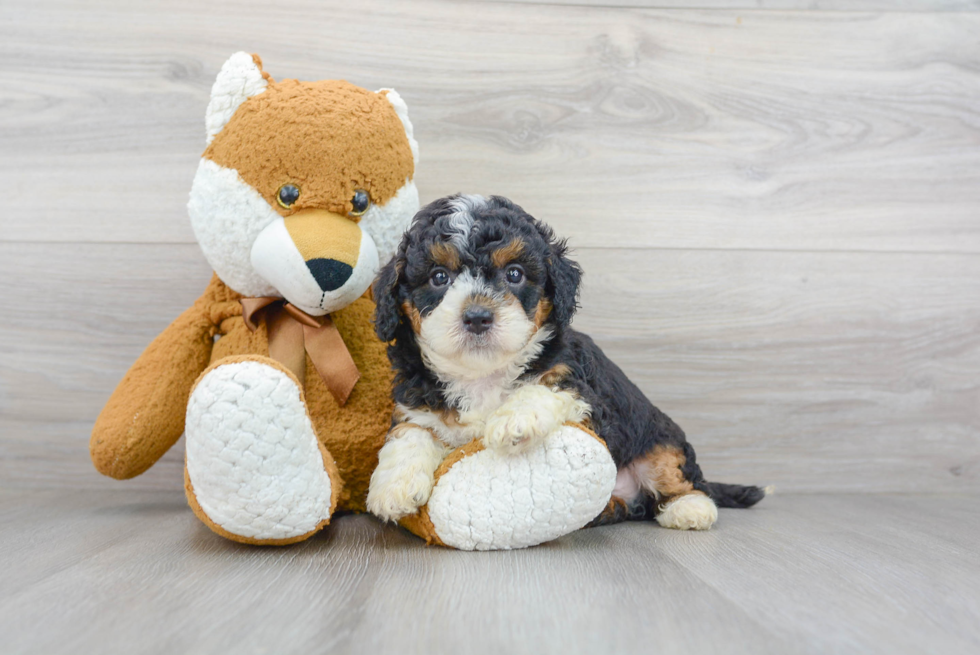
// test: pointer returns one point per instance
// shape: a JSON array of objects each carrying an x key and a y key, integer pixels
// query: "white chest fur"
[
  {"x": 499, "y": 409},
  {"x": 476, "y": 399}
]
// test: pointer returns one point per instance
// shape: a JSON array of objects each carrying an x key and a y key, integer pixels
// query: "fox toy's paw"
[
  {"x": 255, "y": 471},
  {"x": 487, "y": 500}
]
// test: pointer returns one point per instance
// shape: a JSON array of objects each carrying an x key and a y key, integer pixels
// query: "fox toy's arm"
[{"x": 145, "y": 414}]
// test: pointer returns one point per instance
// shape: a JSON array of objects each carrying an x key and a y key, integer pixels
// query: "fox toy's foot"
[
  {"x": 255, "y": 471},
  {"x": 487, "y": 500}
]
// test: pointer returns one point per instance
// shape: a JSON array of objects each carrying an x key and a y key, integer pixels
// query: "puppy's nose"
[
  {"x": 329, "y": 273},
  {"x": 477, "y": 319}
]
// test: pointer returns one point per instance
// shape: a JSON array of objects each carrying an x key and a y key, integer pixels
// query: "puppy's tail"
[{"x": 736, "y": 495}]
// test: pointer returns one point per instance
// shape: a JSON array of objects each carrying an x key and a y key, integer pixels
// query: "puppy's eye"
[
  {"x": 360, "y": 202},
  {"x": 514, "y": 274},
  {"x": 439, "y": 277},
  {"x": 288, "y": 195}
]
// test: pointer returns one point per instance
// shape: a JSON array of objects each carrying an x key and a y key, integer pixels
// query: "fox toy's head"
[{"x": 304, "y": 188}]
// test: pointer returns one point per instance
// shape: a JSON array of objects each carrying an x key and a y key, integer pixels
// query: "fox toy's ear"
[
  {"x": 240, "y": 78},
  {"x": 387, "y": 311},
  {"x": 402, "y": 110}
]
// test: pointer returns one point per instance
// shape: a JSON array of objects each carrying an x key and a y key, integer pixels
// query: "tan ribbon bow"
[{"x": 293, "y": 334}]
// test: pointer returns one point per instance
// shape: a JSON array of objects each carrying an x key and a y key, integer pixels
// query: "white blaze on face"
[
  {"x": 461, "y": 220},
  {"x": 454, "y": 352}
]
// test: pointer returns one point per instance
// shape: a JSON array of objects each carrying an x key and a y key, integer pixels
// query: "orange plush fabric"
[
  {"x": 145, "y": 415},
  {"x": 329, "y": 139},
  {"x": 324, "y": 113}
]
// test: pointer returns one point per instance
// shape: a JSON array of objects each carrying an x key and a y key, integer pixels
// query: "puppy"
[{"x": 477, "y": 306}]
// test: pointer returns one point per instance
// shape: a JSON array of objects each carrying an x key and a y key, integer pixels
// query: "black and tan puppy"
[{"x": 477, "y": 305}]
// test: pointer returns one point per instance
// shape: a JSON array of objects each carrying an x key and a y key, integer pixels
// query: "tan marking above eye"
[
  {"x": 444, "y": 254},
  {"x": 506, "y": 254}
]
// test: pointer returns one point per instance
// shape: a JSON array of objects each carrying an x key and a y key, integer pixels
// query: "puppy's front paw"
[
  {"x": 515, "y": 432},
  {"x": 394, "y": 494},
  {"x": 529, "y": 416},
  {"x": 403, "y": 480}
]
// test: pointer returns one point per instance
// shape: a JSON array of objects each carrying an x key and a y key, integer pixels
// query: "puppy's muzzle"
[{"x": 477, "y": 319}]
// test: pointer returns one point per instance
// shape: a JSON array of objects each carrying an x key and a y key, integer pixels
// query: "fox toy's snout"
[
  {"x": 329, "y": 244},
  {"x": 317, "y": 259}
]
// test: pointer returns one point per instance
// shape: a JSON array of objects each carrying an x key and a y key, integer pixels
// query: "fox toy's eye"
[
  {"x": 439, "y": 277},
  {"x": 360, "y": 202},
  {"x": 514, "y": 274},
  {"x": 288, "y": 195}
]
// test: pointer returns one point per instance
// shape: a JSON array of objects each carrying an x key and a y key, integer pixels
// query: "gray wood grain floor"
[{"x": 122, "y": 572}]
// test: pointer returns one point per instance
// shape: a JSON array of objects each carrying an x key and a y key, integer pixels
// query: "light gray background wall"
[{"x": 778, "y": 211}]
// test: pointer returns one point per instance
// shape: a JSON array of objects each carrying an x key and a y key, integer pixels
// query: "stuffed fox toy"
[{"x": 275, "y": 374}]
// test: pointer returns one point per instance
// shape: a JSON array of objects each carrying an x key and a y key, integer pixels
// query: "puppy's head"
[{"x": 475, "y": 282}]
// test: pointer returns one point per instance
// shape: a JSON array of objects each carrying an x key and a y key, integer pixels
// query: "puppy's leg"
[
  {"x": 629, "y": 502},
  {"x": 669, "y": 473},
  {"x": 403, "y": 480},
  {"x": 529, "y": 415}
]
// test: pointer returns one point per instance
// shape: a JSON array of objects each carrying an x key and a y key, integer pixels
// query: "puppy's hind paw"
[{"x": 688, "y": 512}]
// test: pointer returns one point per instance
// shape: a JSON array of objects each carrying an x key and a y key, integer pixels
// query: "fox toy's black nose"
[
  {"x": 329, "y": 273},
  {"x": 477, "y": 319}
]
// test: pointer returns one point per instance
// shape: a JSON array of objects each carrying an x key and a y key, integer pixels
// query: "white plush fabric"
[
  {"x": 227, "y": 216},
  {"x": 386, "y": 223},
  {"x": 402, "y": 110},
  {"x": 275, "y": 257},
  {"x": 238, "y": 80},
  {"x": 490, "y": 501},
  {"x": 252, "y": 454}
]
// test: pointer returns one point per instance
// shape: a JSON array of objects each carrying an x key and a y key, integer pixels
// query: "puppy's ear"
[
  {"x": 387, "y": 311},
  {"x": 564, "y": 277}
]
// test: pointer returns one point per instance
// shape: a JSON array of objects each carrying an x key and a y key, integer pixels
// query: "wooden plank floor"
[{"x": 121, "y": 572}]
